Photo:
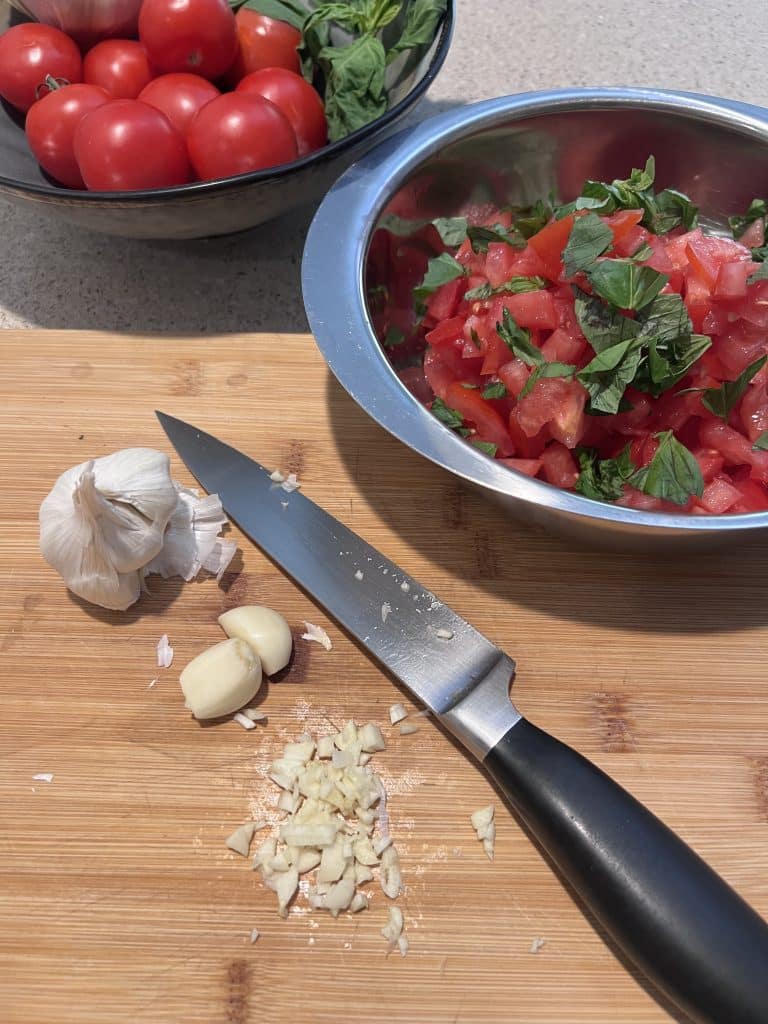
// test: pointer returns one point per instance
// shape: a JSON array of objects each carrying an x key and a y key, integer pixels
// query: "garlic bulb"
[{"x": 106, "y": 523}]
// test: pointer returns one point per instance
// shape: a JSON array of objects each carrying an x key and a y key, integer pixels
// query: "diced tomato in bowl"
[{"x": 607, "y": 347}]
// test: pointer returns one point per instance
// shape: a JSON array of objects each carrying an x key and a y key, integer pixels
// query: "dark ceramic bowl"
[{"x": 210, "y": 208}]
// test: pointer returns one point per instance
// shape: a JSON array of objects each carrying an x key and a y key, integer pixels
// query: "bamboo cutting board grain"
[{"x": 118, "y": 898}]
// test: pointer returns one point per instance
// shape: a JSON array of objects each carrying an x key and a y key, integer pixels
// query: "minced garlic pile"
[{"x": 335, "y": 827}]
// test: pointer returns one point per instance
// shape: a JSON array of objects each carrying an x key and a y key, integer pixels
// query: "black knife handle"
[{"x": 680, "y": 923}]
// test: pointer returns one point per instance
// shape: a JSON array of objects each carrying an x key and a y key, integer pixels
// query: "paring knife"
[{"x": 671, "y": 914}]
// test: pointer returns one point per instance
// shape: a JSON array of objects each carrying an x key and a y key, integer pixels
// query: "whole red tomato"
[
  {"x": 120, "y": 66},
  {"x": 51, "y": 124},
  {"x": 198, "y": 36},
  {"x": 263, "y": 43},
  {"x": 127, "y": 145},
  {"x": 179, "y": 96},
  {"x": 28, "y": 54},
  {"x": 297, "y": 100},
  {"x": 239, "y": 132}
]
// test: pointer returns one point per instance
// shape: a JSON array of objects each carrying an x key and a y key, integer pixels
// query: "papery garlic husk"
[
  {"x": 109, "y": 522},
  {"x": 104, "y": 520},
  {"x": 192, "y": 540}
]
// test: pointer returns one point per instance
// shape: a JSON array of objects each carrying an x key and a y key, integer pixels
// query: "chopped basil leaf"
[
  {"x": 669, "y": 362},
  {"x": 589, "y": 238},
  {"x": 665, "y": 319},
  {"x": 469, "y": 387},
  {"x": 495, "y": 390},
  {"x": 721, "y": 400},
  {"x": 761, "y": 274},
  {"x": 481, "y": 237},
  {"x": 644, "y": 252},
  {"x": 601, "y": 325},
  {"x": 452, "y": 230},
  {"x": 603, "y": 479},
  {"x": 485, "y": 446},
  {"x": 625, "y": 284},
  {"x": 440, "y": 270},
  {"x": 543, "y": 371},
  {"x": 661, "y": 212},
  {"x": 519, "y": 341},
  {"x": 606, "y": 377},
  {"x": 515, "y": 286},
  {"x": 450, "y": 417},
  {"x": 757, "y": 210},
  {"x": 761, "y": 444},
  {"x": 673, "y": 473},
  {"x": 531, "y": 219},
  {"x": 475, "y": 338}
]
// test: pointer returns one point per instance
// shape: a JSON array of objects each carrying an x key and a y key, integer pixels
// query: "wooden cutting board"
[{"x": 118, "y": 898}]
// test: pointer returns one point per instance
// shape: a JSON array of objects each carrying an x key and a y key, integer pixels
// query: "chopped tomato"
[
  {"x": 559, "y": 466},
  {"x": 478, "y": 411},
  {"x": 537, "y": 429},
  {"x": 530, "y": 309},
  {"x": 530, "y": 467},
  {"x": 622, "y": 222},
  {"x": 548, "y": 244},
  {"x": 499, "y": 263}
]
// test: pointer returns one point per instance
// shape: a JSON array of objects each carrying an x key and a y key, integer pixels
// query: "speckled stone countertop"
[{"x": 55, "y": 276}]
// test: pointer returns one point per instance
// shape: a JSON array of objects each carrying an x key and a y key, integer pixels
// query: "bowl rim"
[
  {"x": 335, "y": 303},
  {"x": 201, "y": 189}
]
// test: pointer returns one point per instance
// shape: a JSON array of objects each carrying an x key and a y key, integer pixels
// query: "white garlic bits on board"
[
  {"x": 265, "y": 630},
  {"x": 222, "y": 679},
  {"x": 109, "y": 522}
]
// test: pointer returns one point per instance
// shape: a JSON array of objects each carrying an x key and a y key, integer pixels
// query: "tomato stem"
[{"x": 50, "y": 84}]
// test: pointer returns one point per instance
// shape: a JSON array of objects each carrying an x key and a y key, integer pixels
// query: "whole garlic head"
[
  {"x": 104, "y": 520},
  {"x": 110, "y": 522}
]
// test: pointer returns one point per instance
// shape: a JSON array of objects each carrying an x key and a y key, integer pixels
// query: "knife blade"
[{"x": 670, "y": 913}]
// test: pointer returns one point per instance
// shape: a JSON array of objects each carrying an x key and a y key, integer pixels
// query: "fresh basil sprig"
[{"x": 351, "y": 74}]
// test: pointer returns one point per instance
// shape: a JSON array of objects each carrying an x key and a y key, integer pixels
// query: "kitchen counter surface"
[{"x": 55, "y": 276}]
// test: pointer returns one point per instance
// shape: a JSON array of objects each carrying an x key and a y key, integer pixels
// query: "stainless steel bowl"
[{"x": 514, "y": 150}]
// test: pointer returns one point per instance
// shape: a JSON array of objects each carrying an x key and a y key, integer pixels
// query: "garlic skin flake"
[
  {"x": 221, "y": 680},
  {"x": 109, "y": 522}
]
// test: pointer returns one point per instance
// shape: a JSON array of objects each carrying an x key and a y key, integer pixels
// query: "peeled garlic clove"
[
  {"x": 265, "y": 630},
  {"x": 221, "y": 679}
]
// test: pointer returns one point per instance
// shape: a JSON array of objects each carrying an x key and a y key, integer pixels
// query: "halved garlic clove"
[
  {"x": 263, "y": 629},
  {"x": 221, "y": 679}
]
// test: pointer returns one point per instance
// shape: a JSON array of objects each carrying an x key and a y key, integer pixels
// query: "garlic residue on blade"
[{"x": 109, "y": 522}]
